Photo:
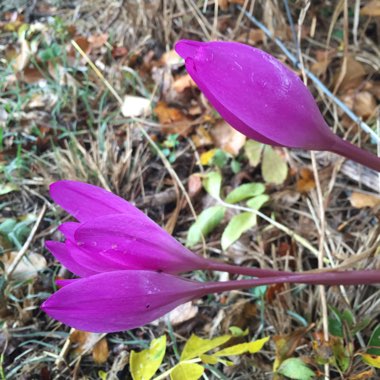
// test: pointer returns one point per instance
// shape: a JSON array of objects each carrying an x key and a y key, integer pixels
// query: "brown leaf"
[
  {"x": 306, "y": 181},
  {"x": 32, "y": 75},
  {"x": 365, "y": 104},
  {"x": 362, "y": 200},
  {"x": 88, "y": 342},
  {"x": 365, "y": 375},
  {"x": 371, "y": 9},
  {"x": 167, "y": 114},
  {"x": 98, "y": 40},
  {"x": 194, "y": 185},
  {"x": 172, "y": 119},
  {"x": 201, "y": 137},
  {"x": 252, "y": 37},
  {"x": 83, "y": 43},
  {"x": 227, "y": 138},
  {"x": 100, "y": 351},
  {"x": 353, "y": 77},
  {"x": 119, "y": 51},
  {"x": 183, "y": 82}
]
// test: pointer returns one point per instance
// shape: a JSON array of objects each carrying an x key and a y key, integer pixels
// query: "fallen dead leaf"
[
  {"x": 27, "y": 268},
  {"x": 32, "y": 75},
  {"x": 194, "y": 185},
  {"x": 173, "y": 120},
  {"x": 180, "y": 314},
  {"x": 306, "y": 181},
  {"x": 201, "y": 137},
  {"x": 227, "y": 138},
  {"x": 183, "y": 82},
  {"x": 252, "y": 37},
  {"x": 167, "y": 114},
  {"x": 362, "y": 200},
  {"x": 371, "y": 9},
  {"x": 100, "y": 351},
  {"x": 354, "y": 75},
  {"x": 365, "y": 104},
  {"x": 134, "y": 106},
  {"x": 98, "y": 40},
  {"x": 88, "y": 342}
]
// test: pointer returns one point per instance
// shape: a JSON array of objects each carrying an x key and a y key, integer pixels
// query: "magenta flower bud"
[
  {"x": 262, "y": 98},
  {"x": 120, "y": 253},
  {"x": 113, "y": 235},
  {"x": 119, "y": 300}
]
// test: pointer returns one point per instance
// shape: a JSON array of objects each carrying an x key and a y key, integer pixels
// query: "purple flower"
[
  {"x": 262, "y": 98},
  {"x": 120, "y": 254},
  {"x": 119, "y": 300},
  {"x": 113, "y": 235}
]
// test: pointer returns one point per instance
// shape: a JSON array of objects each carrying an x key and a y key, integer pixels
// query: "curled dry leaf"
[
  {"x": 361, "y": 200},
  {"x": 306, "y": 181},
  {"x": 227, "y": 138},
  {"x": 194, "y": 185},
  {"x": 353, "y": 76},
  {"x": 27, "y": 268},
  {"x": 87, "y": 342},
  {"x": 371, "y": 9},
  {"x": 362, "y": 103},
  {"x": 183, "y": 82},
  {"x": 252, "y": 37}
]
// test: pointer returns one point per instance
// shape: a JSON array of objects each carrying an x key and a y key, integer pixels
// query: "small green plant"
[
  {"x": 169, "y": 146},
  {"x": 210, "y": 218}
]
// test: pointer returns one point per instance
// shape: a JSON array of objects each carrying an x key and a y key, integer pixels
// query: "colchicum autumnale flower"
[
  {"x": 263, "y": 99},
  {"x": 127, "y": 264}
]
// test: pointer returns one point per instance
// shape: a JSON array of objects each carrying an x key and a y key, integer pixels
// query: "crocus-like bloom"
[
  {"x": 262, "y": 98},
  {"x": 121, "y": 256},
  {"x": 114, "y": 235}
]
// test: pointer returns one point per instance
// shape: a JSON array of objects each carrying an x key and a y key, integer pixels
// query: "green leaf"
[
  {"x": 236, "y": 227},
  {"x": 207, "y": 221},
  {"x": 374, "y": 341},
  {"x": 295, "y": 368},
  {"x": 257, "y": 202},
  {"x": 187, "y": 371},
  {"x": 212, "y": 183},
  {"x": 197, "y": 346},
  {"x": 273, "y": 168},
  {"x": 245, "y": 191},
  {"x": 253, "y": 151},
  {"x": 143, "y": 365},
  {"x": 237, "y": 331}
]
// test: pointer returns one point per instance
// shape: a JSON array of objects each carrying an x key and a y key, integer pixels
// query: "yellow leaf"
[
  {"x": 209, "y": 359},
  {"x": 372, "y": 360},
  {"x": 273, "y": 167},
  {"x": 196, "y": 346},
  {"x": 206, "y": 157},
  {"x": 239, "y": 349},
  {"x": 187, "y": 371},
  {"x": 144, "y": 364}
]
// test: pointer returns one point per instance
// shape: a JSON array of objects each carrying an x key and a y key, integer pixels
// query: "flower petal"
[
  {"x": 136, "y": 243},
  {"x": 68, "y": 258},
  {"x": 86, "y": 202},
  {"x": 256, "y": 93},
  {"x": 120, "y": 300}
]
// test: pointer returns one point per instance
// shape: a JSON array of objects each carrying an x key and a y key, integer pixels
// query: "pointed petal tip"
[{"x": 187, "y": 48}]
